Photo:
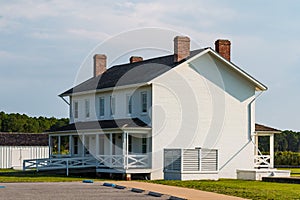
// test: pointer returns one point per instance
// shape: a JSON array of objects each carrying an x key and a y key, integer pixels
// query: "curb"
[
  {"x": 155, "y": 194},
  {"x": 137, "y": 190}
]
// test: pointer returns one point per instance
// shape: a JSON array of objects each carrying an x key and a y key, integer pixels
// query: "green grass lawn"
[
  {"x": 240, "y": 188},
  {"x": 294, "y": 171},
  {"x": 10, "y": 175}
]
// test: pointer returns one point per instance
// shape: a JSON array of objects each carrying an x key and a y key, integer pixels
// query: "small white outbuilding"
[{"x": 16, "y": 147}]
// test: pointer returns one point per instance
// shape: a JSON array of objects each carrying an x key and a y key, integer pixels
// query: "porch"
[
  {"x": 118, "y": 151},
  {"x": 263, "y": 156}
]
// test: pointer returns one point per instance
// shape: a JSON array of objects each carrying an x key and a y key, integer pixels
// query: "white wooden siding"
[
  {"x": 204, "y": 104},
  {"x": 13, "y": 156}
]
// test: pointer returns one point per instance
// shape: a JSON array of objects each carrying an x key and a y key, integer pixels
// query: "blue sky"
[{"x": 44, "y": 43}]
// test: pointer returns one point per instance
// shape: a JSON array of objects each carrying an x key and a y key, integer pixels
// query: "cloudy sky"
[{"x": 44, "y": 43}]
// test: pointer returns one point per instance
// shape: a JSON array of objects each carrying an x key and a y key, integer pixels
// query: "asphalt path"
[{"x": 67, "y": 190}]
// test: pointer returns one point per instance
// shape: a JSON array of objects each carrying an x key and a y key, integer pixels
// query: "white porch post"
[
  {"x": 256, "y": 144},
  {"x": 97, "y": 145},
  {"x": 110, "y": 149},
  {"x": 83, "y": 145},
  {"x": 50, "y": 146},
  {"x": 124, "y": 145},
  {"x": 272, "y": 150},
  {"x": 127, "y": 140},
  {"x": 70, "y": 145},
  {"x": 59, "y": 143}
]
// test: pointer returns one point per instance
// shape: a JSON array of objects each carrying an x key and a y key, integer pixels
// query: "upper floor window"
[
  {"x": 128, "y": 104},
  {"x": 101, "y": 106},
  {"x": 75, "y": 109},
  {"x": 112, "y": 105},
  {"x": 144, "y": 101},
  {"x": 87, "y": 108}
]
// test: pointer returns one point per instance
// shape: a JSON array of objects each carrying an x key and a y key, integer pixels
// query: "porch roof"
[
  {"x": 263, "y": 128},
  {"x": 104, "y": 124}
]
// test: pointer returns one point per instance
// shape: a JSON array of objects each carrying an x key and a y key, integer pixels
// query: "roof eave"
[{"x": 105, "y": 89}]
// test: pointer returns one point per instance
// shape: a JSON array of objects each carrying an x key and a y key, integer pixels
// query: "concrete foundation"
[{"x": 258, "y": 174}]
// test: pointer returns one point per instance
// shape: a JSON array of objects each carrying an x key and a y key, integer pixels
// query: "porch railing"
[
  {"x": 262, "y": 161},
  {"x": 124, "y": 161},
  {"x": 101, "y": 161},
  {"x": 59, "y": 163}
]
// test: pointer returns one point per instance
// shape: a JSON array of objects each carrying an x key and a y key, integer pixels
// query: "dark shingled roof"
[
  {"x": 23, "y": 139},
  {"x": 130, "y": 73},
  {"x": 259, "y": 127},
  {"x": 103, "y": 124}
]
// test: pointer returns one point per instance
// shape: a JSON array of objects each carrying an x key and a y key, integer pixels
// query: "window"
[
  {"x": 128, "y": 104},
  {"x": 75, "y": 145},
  {"x": 101, "y": 105},
  {"x": 144, "y": 145},
  {"x": 112, "y": 105},
  {"x": 129, "y": 143},
  {"x": 87, "y": 108},
  {"x": 144, "y": 102},
  {"x": 75, "y": 109}
]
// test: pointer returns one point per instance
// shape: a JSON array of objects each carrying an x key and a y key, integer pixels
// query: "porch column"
[
  {"x": 83, "y": 146},
  {"x": 272, "y": 150},
  {"x": 256, "y": 144},
  {"x": 127, "y": 140},
  {"x": 124, "y": 149},
  {"x": 110, "y": 144},
  {"x": 97, "y": 145},
  {"x": 59, "y": 143},
  {"x": 50, "y": 146},
  {"x": 70, "y": 145}
]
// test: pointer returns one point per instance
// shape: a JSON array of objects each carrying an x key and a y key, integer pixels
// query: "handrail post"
[
  {"x": 67, "y": 166},
  {"x": 36, "y": 164}
]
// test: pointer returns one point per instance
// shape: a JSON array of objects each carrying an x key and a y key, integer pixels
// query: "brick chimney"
[
  {"x": 223, "y": 48},
  {"x": 181, "y": 48},
  {"x": 99, "y": 64},
  {"x": 134, "y": 59}
]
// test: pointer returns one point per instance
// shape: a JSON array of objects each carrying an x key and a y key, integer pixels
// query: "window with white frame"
[
  {"x": 128, "y": 104},
  {"x": 101, "y": 106},
  {"x": 144, "y": 102},
  {"x": 112, "y": 105},
  {"x": 87, "y": 108},
  {"x": 76, "y": 109}
]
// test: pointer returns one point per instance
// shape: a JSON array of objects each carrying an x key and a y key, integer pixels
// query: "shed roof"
[
  {"x": 23, "y": 139},
  {"x": 263, "y": 128}
]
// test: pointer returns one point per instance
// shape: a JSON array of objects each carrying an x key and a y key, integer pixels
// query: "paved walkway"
[{"x": 176, "y": 191}]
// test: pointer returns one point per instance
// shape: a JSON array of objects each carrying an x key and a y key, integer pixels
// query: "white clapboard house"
[
  {"x": 17, "y": 147},
  {"x": 188, "y": 115}
]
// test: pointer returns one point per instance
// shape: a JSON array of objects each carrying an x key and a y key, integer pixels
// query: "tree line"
[
  {"x": 285, "y": 141},
  {"x": 15, "y": 122}
]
